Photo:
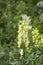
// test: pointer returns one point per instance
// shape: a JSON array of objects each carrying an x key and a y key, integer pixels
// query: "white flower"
[
  {"x": 21, "y": 52},
  {"x": 30, "y": 27}
]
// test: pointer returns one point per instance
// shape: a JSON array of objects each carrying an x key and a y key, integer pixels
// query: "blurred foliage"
[{"x": 21, "y": 32}]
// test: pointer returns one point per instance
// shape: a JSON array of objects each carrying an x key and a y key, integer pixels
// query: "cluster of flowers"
[
  {"x": 24, "y": 27},
  {"x": 37, "y": 38}
]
